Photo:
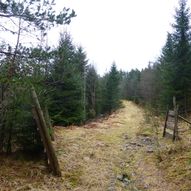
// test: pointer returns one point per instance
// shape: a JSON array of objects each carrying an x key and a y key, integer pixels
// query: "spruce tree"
[
  {"x": 92, "y": 97},
  {"x": 17, "y": 127},
  {"x": 81, "y": 62},
  {"x": 111, "y": 94},
  {"x": 149, "y": 83},
  {"x": 132, "y": 85},
  {"x": 67, "y": 95},
  {"x": 167, "y": 70},
  {"x": 182, "y": 59}
]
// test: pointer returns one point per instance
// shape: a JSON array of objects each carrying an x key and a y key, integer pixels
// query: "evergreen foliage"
[
  {"x": 67, "y": 94},
  {"x": 175, "y": 61},
  {"x": 182, "y": 57},
  {"x": 69, "y": 87},
  {"x": 23, "y": 66},
  {"x": 34, "y": 14},
  {"x": 131, "y": 89},
  {"x": 92, "y": 93},
  {"x": 111, "y": 94},
  {"x": 170, "y": 75},
  {"x": 167, "y": 71}
]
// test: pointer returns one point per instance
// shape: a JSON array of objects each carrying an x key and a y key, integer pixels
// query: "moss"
[
  {"x": 73, "y": 177},
  {"x": 148, "y": 131}
]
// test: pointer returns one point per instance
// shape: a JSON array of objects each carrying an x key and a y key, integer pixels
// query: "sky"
[{"x": 130, "y": 33}]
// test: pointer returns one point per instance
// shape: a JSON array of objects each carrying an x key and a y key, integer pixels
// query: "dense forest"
[
  {"x": 67, "y": 85},
  {"x": 169, "y": 75}
]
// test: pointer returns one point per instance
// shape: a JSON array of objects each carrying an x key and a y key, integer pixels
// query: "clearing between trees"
[{"x": 125, "y": 151}]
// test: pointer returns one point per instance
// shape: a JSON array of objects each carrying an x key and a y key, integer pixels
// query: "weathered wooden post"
[
  {"x": 174, "y": 102},
  {"x": 175, "y": 131},
  {"x": 38, "y": 115},
  {"x": 48, "y": 123},
  {"x": 171, "y": 121},
  {"x": 165, "y": 124}
]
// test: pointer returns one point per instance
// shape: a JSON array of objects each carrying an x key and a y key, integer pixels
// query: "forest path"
[
  {"x": 117, "y": 153},
  {"x": 113, "y": 154}
]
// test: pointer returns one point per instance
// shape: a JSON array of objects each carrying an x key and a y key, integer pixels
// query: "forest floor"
[{"x": 124, "y": 151}]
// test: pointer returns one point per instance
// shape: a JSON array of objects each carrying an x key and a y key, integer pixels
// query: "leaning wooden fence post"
[
  {"x": 184, "y": 119},
  {"x": 48, "y": 122},
  {"x": 41, "y": 123},
  {"x": 35, "y": 115}
]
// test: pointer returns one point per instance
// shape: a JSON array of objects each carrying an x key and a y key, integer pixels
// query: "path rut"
[{"x": 107, "y": 149}]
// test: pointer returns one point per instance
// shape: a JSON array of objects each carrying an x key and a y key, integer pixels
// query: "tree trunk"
[
  {"x": 38, "y": 115},
  {"x": 48, "y": 122}
]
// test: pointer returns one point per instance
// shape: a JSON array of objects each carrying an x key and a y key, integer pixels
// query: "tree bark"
[
  {"x": 38, "y": 115},
  {"x": 48, "y": 122}
]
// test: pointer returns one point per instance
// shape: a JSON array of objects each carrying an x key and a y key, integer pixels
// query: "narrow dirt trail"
[{"x": 110, "y": 154}]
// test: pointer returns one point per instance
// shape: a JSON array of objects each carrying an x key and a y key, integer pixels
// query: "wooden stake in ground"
[
  {"x": 39, "y": 117},
  {"x": 165, "y": 125},
  {"x": 171, "y": 121},
  {"x": 175, "y": 133}
]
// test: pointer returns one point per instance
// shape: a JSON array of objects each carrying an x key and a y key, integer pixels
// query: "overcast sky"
[{"x": 129, "y": 32}]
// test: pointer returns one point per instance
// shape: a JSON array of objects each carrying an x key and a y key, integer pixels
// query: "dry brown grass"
[
  {"x": 92, "y": 156},
  {"x": 96, "y": 153}
]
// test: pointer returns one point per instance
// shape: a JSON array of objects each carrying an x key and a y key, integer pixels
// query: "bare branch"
[{"x": 6, "y": 29}]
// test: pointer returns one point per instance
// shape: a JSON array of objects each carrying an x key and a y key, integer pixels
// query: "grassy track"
[{"x": 118, "y": 153}]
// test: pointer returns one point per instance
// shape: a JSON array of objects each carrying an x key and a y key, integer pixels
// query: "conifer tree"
[
  {"x": 80, "y": 60},
  {"x": 167, "y": 72},
  {"x": 92, "y": 96},
  {"x": 175, "y": 61},
  {"x": 17, "y": 17},
  {"x": 182, "y": 58},
  {"x": 132, "y": 85},
  {"x": 111, "y": 94},
  {"x": 66, "y": 106}
]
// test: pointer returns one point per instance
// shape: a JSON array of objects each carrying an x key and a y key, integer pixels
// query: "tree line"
[
  {"x": 169, "y": 75},
  {"x": 67, "y": 85}
]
